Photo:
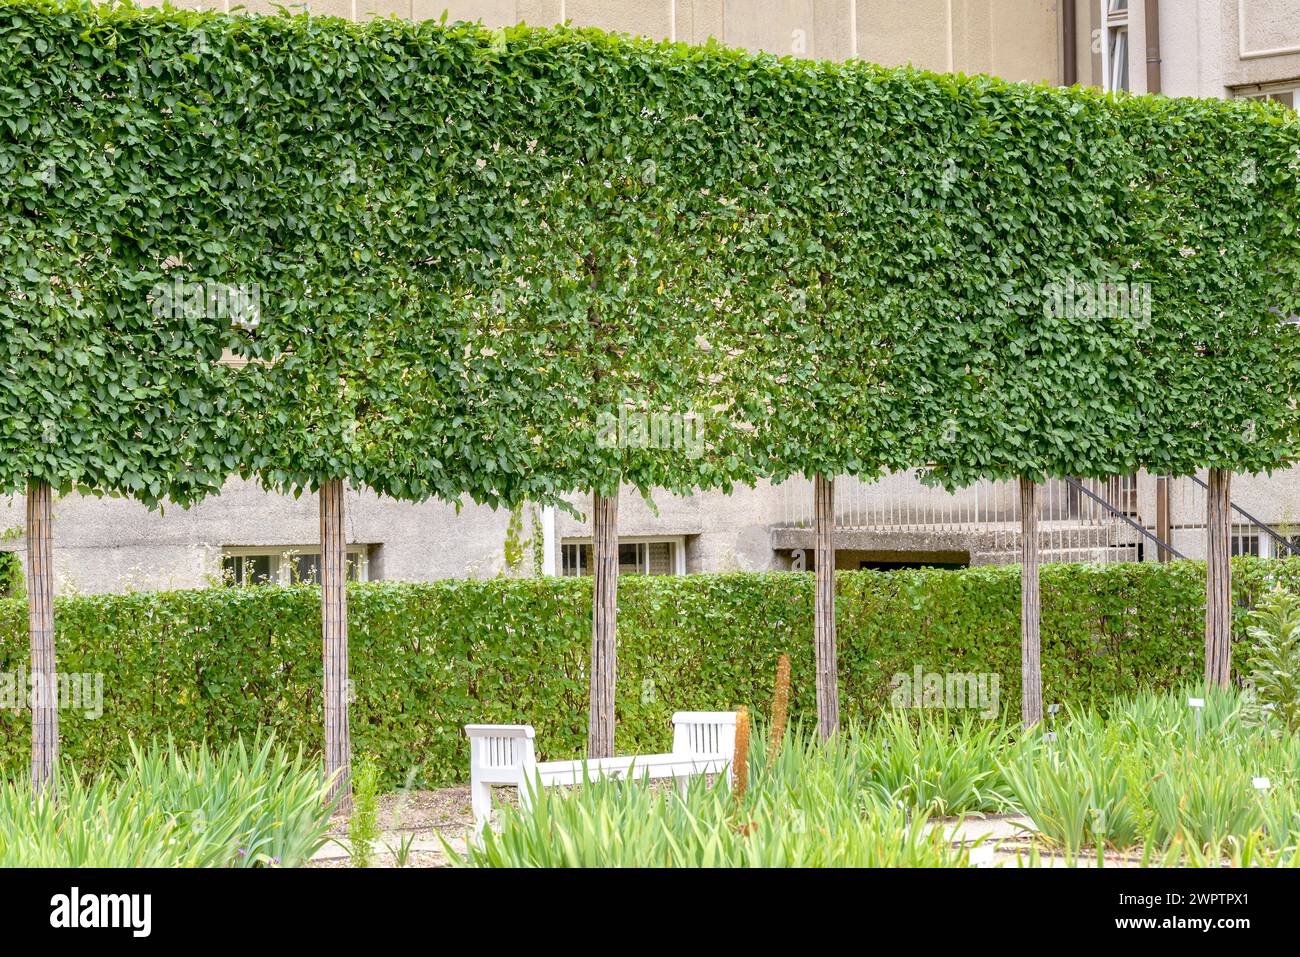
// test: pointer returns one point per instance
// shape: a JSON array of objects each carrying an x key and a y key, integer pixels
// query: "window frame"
[
  {"x": 1248, "y": 544},
  {"x": 1115, "y": 21},
  {"x": 1270, "y": 91},
  {"x": 678, "y": 542}
]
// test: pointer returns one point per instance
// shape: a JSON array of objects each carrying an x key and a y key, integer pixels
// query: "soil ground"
[{"x": 420, "y": 815}]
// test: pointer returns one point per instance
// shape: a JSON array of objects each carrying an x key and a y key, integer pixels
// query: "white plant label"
[
  {"x": 1261, "y": 784},
  {"x": 1196, "y": 702}
]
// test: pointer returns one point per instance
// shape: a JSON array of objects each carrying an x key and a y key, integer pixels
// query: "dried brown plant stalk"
[
  {"x": 780, "y": 707},
  {"x": 740, "y": 763}
]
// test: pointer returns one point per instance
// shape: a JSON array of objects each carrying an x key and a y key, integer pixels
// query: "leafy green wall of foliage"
[
  {"x": 470, "y": 244},
  {"x": 429, "y": 658},
  {"x": 11, "y": 574}
]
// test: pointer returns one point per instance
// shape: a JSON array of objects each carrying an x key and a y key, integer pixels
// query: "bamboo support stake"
[
  {"x": 334, "y": 635},
  {"x": 604, "y": 625},
  {"x": 1218, "y": 578},
  {"x": 828, "y": 695},
  {"x": 40, "y": 623},
  {"x": 1031, "y": 673}
]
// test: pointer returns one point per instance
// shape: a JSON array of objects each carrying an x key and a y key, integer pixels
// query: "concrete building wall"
[
  {"x": 1208, "y": 47},
  {"x": 1016, "y": 39},
  {"x": 113, "y": 544},
  {"x": 721, "y": 532},
  {"x": 1213, "y": 48}
]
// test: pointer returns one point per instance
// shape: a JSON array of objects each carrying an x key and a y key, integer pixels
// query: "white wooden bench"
[{"x": 704, "y": 742}]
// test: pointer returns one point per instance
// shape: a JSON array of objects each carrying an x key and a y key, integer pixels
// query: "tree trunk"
[
  {"x": 40, "y": 623},
  {"x": 1164, "y": 530},
  {"x": 1031, "y": 670},
  {"x": 334, "y": 633},
  {"x": 1218, "y": 579},
  {"x": 828, "y": 691},
  {"x": 604, "y": 625}
]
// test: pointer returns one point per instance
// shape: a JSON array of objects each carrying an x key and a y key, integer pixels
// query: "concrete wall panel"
[{"x": 899, "y": 32}]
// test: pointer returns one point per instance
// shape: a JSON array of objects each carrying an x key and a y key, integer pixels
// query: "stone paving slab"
[
  {"x": 1007, "y": 840},
  {"x": 425, "y": 850}
]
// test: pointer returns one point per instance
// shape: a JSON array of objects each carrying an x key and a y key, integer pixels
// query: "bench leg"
[{"x": 480, "y": 797}]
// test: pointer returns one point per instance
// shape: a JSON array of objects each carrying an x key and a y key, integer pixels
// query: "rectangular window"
[
  {"x": 1119, "y": 60},
  {"x": 306, "y": 568},
  {"x": 1246, "y": 544},
  {"x": 246, "y": 569},
  {"x": 576, "y": 561},
  {"x": 659, "y": 558},
  {"x": 630, "y": 559},
  {"x": 655, "y": 557},
  {"x": 1284, "y": 93},
  {"x": 1114, "y": 18},
  {"x": 285, "y": 566}
]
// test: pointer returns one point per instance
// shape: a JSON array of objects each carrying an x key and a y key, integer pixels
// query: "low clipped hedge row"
[{"x": 428, "y": 658}]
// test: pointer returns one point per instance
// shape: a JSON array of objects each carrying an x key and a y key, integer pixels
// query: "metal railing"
[
  {"x": 1159, "y": 543},
  {"x": 1085, "y": 520},
  {"x": 1279, "y": 540},
  {"x": 1248, "y": 534},
  {"x": 1091, "y": 520}
]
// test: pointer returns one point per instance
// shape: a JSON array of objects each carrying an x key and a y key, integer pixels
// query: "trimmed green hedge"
[{"x": 428, "y": 658}]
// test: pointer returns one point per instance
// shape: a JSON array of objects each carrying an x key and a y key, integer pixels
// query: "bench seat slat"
[{"x": 652, "y": 766}]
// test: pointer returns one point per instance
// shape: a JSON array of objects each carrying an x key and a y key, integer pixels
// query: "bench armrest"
[
  {"x": 500, "y": 753},
  {"x": 705, "y": 732},
  {"x": 499, "y": 731}
]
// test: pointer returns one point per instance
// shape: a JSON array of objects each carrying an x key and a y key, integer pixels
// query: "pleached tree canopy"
[{"x": 466, "y": 245}]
